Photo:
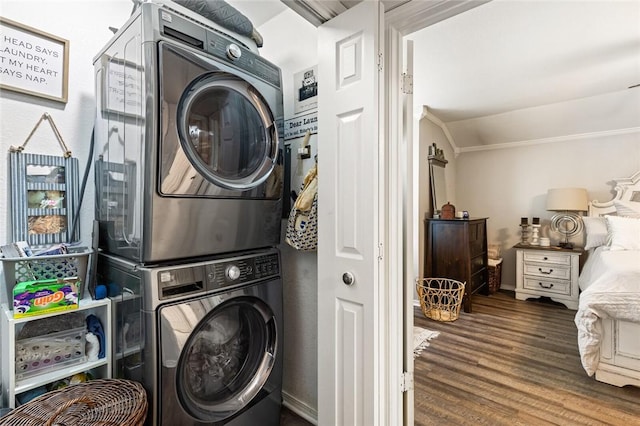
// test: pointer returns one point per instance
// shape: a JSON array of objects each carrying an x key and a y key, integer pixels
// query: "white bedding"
[{"x": 610, "y": 284}]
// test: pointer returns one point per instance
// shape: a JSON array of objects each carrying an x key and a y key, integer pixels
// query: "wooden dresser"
[{"x": 457, "y": 249}]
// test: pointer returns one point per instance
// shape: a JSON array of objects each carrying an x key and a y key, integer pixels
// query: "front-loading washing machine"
[
  {"x": 188, "y": 139},
  {"x": 210, "y": 348}
]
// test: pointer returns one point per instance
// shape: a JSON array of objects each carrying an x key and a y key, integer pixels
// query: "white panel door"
[{"x": 349, "y": 245}]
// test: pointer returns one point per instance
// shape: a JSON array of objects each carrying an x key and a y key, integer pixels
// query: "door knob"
[{"x": 348, "y": 278}]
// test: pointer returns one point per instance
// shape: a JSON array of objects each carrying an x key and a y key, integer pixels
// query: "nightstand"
[{"x": 548, "y": 271}]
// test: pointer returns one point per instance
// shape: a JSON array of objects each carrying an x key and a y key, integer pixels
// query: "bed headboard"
[{"x": 627, "y": 189}]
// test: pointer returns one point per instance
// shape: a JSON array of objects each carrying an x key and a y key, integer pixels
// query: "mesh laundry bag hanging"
[{"x": 302, "y": 226}]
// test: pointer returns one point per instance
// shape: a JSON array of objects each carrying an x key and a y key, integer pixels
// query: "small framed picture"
[{"x": 306, "y": 90}]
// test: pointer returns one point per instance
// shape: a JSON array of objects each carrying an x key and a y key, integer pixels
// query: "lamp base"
[{"x": 568, "y": 224}]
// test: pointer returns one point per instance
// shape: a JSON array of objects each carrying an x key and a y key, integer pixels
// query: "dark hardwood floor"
[
  {"x": 289, "y": 418},
  {"x": 510, "y": 362},
  {"x": 513, "y": 362}
]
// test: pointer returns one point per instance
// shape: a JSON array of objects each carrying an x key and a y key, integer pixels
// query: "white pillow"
[
  {"x": 596, "y": 232},
  {"x": 624, "y": 232},
  {"x": 627, "y": 208}
]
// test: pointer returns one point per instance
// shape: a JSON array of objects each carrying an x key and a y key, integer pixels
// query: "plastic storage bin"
[
  {"x": 51, "y": 351},
  {"x": 21, "y": 269}
]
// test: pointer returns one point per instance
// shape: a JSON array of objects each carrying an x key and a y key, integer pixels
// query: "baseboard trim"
[{"x": 300, "y": 408}]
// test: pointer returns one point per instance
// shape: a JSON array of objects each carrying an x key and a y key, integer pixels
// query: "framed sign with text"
[
  {"x": 33, "y": 62},
  {"x": 298, "y": 126}
]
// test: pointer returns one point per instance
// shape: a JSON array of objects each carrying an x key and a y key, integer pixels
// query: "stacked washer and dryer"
[{"x": 188, "y": 162}]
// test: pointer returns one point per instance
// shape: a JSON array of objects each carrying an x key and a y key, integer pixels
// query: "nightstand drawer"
[
  {"x": 547, "y": 286},
  {"x": 556, "y": 271},
  {"x": 546, "y": 257}
]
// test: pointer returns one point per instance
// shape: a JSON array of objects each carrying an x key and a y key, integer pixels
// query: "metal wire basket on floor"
[
  {"x": 96, "y": 402},
  {"x": 440, "y": 298}
]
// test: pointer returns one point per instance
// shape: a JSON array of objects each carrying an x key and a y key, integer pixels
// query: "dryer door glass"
[
  {"x": 227, "y": 358},
  {"x": 227, "y": 131}
]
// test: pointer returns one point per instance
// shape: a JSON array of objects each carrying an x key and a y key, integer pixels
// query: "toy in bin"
[{"x": 38, "y": 297}]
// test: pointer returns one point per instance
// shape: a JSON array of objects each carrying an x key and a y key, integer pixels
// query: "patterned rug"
[{"x": 421, "y": 337}]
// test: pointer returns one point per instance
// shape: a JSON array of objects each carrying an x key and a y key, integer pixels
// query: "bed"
[{"x": 608, "y": 316}]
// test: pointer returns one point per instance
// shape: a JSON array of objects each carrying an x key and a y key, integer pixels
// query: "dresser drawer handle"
[
  {"x": 543, "y": 286},
  {"x": 546, "y": 273},
  {"x": 545, "y": 258}
]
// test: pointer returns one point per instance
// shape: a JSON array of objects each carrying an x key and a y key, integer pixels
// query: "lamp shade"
[{"x": 567, "y": 199}]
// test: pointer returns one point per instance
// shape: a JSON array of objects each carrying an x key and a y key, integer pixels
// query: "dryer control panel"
[{"x": 242, "y": 270}]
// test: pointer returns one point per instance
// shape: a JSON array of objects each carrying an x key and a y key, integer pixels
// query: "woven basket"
[
  {"x": 97, "y": 402},
  {"x": 495, "y": 275},
  {"x": 440, "y": 298}
]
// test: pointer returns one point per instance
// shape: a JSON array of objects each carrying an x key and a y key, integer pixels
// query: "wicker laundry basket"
[
  {"x": 96, "y": 402},
  {"x": 440, "y": 298},
  {"x": 495, "y": 275}
]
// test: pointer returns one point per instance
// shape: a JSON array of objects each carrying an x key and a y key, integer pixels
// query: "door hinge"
[
  {"x": 380, "y": 59},
  {"x": 407, "y": 83},
  {"x": 380, "y": 251},
  {"x": 406, "y": 382}
]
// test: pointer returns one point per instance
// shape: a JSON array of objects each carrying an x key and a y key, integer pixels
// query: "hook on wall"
[{"x": 304, "y": 151}]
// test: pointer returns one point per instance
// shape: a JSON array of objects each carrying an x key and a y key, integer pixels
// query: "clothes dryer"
[
  {"x": 188, "y": 140},
  {"x": 212, "y": 347}
]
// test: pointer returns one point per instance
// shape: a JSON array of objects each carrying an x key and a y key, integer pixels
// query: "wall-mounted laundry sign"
[
  {"x": 297, "y": 127},
  {"x": 33, "y": 62}
]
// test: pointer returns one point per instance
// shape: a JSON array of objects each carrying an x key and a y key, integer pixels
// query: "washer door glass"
[
  {"x": 227, "y": 131},
  {"x": 227, "y": 359}
]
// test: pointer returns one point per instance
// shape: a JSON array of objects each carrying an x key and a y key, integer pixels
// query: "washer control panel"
[
  {"x": 242, "y": 270},
  {"x": 188, "y": 279},
  {"x": 233, "y": 51}
]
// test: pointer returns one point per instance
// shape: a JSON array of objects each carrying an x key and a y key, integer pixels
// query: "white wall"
[
  {"x": 86, "y": 25},
  {"x": 507, "y": 184},
  {"x": 294, "y": 50}
]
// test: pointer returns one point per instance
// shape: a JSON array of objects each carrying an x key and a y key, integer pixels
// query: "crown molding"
[
  {"x": 426, "y": 113},
  {"x": 555, "y": 139}
]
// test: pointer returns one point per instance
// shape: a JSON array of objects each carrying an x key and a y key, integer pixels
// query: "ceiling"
[
  {"x": 508, "y": 55},
  {"x": 513, "y": 71},
  {"x": 517, "y": 71},
  {"x": 315, "y": 11}
]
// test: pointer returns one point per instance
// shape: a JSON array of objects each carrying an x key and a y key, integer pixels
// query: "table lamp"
[{"x": 567, "y": 202}]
